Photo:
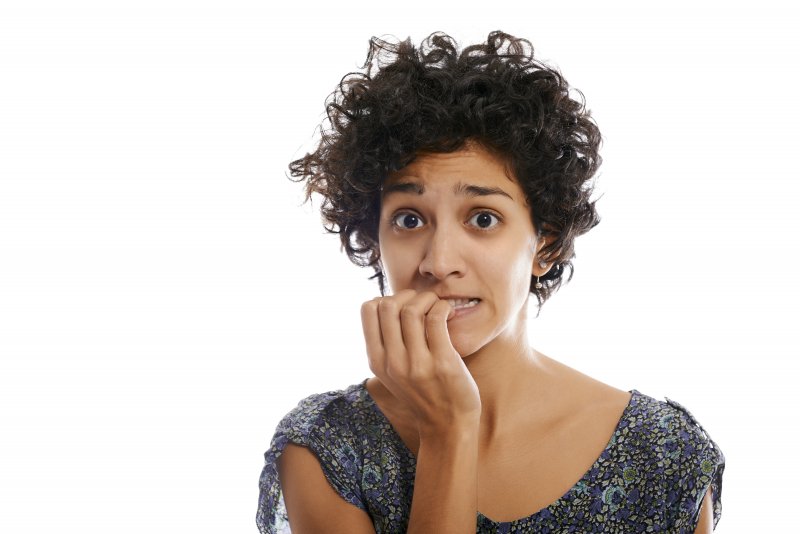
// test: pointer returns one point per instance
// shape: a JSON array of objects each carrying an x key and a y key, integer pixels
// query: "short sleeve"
[
  {"x": 319, "y": 422},
  {"x": 701, "y": 466}
]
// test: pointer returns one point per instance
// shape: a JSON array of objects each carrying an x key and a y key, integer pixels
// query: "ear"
[{"x": 541, "y": 267}]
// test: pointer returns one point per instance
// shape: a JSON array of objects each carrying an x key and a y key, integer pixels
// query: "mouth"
[
  {"x": 463, "y": 303},
  {"x": 462, "y": 306}
]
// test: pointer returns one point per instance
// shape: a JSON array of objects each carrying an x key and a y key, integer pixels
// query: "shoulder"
[
  {"x": 322, "y": 419},
  {"x": 328, "y": 424},
  {"x": 680, "y": 459},
  {"x": 668, "y": 427}
]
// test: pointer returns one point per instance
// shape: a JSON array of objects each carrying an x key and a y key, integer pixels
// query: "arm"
[
  {"x": 426, "y": 374},
  {"x": 704, "y": 468},
  {"x": 410, "y": 352},
  {"x": 706, "y": 522},
  {"x": 445, "y": 490},
  {"x": 446, "y": 483},
  {"x": 311, "y": 503}
]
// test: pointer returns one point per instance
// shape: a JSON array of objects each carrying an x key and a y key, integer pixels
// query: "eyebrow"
[{"x": 460, "y": 188}]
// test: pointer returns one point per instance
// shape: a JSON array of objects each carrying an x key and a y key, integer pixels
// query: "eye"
[
  {"x": 484, "y": 220},
  {"x": 406, "y": 218}
]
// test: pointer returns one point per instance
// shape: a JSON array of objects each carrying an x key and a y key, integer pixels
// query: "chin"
[{"x": 465, "y": 349}]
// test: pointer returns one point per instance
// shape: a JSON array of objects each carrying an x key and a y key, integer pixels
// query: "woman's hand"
[{"x": 410, "y": 352}]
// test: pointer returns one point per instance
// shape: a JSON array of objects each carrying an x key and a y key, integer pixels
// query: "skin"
[{"x": 495, "y": 425}]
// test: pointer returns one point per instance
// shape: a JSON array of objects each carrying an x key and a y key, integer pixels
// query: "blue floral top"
[{"x": 651, "y": 477}]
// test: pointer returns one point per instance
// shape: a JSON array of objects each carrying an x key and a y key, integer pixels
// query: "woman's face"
[{"x": 457, "y": 225}]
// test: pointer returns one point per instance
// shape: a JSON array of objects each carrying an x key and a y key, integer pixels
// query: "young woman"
[{"x": 462, "y": 177}]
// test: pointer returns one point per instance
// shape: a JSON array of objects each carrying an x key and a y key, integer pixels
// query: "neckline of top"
[{"x": 482, "y": 518}]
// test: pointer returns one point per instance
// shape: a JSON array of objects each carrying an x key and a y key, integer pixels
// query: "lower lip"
[{"x": 462, "y": 312}]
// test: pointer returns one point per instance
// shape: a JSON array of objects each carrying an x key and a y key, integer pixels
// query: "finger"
[
  {"x": 372, "y": 336},
  {"x": 436, "y": 328},
  {"x": 389, "y": 318},
  {"x": 412, "y": 322}
]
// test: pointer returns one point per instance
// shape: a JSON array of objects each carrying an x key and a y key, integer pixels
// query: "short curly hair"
[{"x": 435, "y": 99}]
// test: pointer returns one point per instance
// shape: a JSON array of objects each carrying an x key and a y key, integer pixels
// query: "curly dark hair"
[{"x": 434, "y": 99}]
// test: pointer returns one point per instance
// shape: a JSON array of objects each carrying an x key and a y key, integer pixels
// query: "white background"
[{"x": 165, "y": 299}]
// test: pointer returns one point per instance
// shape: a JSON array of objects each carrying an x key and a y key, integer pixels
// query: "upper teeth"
[{"x": 462, "y": 303}]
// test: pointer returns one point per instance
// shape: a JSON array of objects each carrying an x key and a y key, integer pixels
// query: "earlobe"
[
  {"x": 540, "y": 265},
  {"x": 539, "y": 268}
]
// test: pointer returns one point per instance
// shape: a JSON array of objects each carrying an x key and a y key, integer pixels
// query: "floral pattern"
[{"x": 651, "y": 477}]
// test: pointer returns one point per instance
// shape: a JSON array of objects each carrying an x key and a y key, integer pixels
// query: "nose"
[{"x": 443, "y": 254}]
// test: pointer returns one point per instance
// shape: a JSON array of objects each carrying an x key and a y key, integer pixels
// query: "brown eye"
[
  {"x": 484, "y": 220},
  {"x": 407, "y": 221}
]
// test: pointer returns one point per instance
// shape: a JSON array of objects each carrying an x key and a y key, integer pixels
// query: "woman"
[{"x": 462, "y": 178}]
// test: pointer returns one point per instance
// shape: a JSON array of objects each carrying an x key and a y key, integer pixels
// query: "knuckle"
[
  {"x": 367, "y": 308},
  {"x": 417, "y": 374},
  {"x": 387, "y": 305},
  {"x": 438, "y": 312},
  {"x": 392, "y": 371},
  {"x": 411, "y": 311},
  {"x": 429, "y": 295},
  {"x": 374, "y": 367},
  {"x": 444, "y": 368}
]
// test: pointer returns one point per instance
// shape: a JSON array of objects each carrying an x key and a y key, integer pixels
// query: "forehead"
[{"x": 469, "y": 172}]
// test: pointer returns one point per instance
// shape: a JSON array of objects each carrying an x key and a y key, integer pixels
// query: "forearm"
[{"x": 446, "y": 484}]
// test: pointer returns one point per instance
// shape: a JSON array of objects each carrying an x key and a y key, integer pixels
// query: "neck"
[{"x": 514, "y": 382}]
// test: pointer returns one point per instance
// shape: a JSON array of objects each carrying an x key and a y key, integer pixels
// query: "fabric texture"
[{"x": 651, "y": 477}]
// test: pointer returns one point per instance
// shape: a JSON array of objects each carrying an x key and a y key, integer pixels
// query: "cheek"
[
  {"x": 517, "y": 270},
  {"x": 397, "y": 263},
  {"x": 386, "y": 255}
]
